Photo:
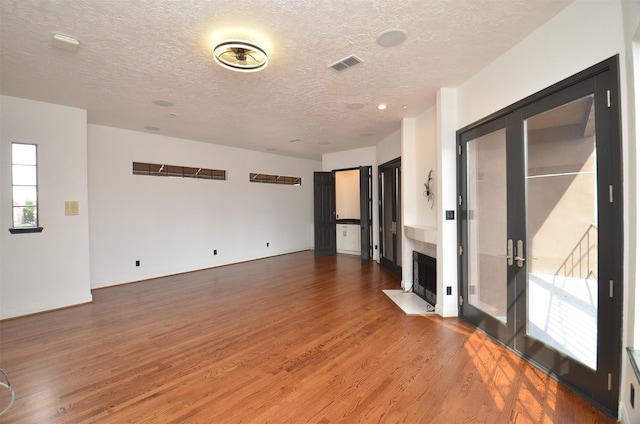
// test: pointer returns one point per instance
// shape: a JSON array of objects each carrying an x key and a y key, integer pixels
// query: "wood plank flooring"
[{"x": 289, "y": 339}]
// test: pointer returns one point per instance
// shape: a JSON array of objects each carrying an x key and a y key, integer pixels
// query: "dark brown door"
[{"x": 324, "y": 206}]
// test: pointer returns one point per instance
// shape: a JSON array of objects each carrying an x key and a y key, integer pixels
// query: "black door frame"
[
  {"x": 391, "y": 265},
  {"x": 600, "y": 387},
  {"x": 325, "y": 212},
  {"x": 366, "y": 193}
]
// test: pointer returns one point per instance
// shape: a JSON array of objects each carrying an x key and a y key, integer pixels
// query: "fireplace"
[{"x": 424, "y": 277}]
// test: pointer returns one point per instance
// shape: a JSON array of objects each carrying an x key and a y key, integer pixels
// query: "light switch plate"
[{"x": 71, "y": 207}]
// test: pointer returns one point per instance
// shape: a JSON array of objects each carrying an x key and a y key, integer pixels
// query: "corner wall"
[{"x": 48, "y": 270}]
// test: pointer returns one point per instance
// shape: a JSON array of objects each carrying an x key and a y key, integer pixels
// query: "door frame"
[
  {"x": 391, "y": 265},
  {"x": 606, "y": 79},
  {"x": 325, "y": 216}
]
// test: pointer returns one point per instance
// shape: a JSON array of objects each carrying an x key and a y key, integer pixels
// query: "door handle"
[
  {"x": 520, "y": 251},
  {"x": 509, "y": 252}
]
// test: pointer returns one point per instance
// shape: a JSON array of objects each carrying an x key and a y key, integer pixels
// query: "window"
[
  {"x": 274, "y": 179},
  {"x": 161, "y": 170},
  {"x": 24, "y": 178}
]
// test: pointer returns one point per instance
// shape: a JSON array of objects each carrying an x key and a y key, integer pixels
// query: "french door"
[
  {"x": 540, "y": 232},
  {"x": 389, "y": 178}
]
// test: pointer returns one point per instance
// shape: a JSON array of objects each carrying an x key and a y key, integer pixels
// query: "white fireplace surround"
[{"x": 422, "y": 233}]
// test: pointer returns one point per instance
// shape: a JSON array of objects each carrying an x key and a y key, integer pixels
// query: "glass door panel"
[
  {"x": 562, "y": 228},
  {"x": 398, "y": 226},
  {"x": 390, "y": 217},
  {"x": 487, "y": 224},
  {"x": 388, "y": 220}
]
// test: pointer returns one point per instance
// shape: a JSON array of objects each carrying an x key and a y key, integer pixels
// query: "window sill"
[
  {"x": 26, "y": 230},
  {"x": 634, "y": 358}
]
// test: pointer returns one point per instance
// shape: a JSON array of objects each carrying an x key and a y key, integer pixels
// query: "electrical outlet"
[
  {"x": 267, "y": 244},
  {"x": 215, "y": 252},
  {"x": 632, "y": 395},
  {"x": 137, "y": 263},
  {"x": 448, "y": 290}
]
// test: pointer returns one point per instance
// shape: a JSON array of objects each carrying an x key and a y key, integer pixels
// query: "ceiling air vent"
[{"x": 346, "y": 63}]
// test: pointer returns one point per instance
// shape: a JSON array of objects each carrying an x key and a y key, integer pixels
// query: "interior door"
[
  {"x": 390, "y": 216},
  {"x": 324, "y": 211},
  {"x": 365, "y": 213},
  {"x": 541, "y": 229}
]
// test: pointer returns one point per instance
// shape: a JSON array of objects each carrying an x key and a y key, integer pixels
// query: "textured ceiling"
[{"x": 134, "y": 52}]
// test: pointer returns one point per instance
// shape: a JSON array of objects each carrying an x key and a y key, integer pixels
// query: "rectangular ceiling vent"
[{"x": 346, "y": 63}]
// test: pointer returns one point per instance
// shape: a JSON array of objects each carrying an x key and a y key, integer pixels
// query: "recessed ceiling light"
[
  {"x": 150, "y": 128},
  {"x": 161, "y": 102},
  {"x": 173, "y": 115},
  {"x": 65, "y": 42},
  {"x": 391, "y": 37},
  {"x": 240, "y": 56},
  {"x": 355, "y": 105},
  {"x": 294, "y": 140},
  {"x": 382, "y": 106}
]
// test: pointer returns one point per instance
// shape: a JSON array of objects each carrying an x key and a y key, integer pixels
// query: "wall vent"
[{"x": 346, "y": 63}]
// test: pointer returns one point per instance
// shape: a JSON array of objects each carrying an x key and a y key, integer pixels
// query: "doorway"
[
  {"x": 540, "y": 196},
  {"x": 354, "y": 216},
  {"x": 390, "y": 216}
]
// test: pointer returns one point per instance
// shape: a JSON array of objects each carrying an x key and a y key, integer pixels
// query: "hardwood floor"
[{"x": 289, "y": 339}]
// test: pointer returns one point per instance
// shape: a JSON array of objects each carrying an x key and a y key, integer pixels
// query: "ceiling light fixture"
[
  {"x": 355, "y": 105},
  {"x": 382, "y": 106},
  {"x": 65, "y": 42},
  {"x": 162, "y": 102},
  {"x": 240, "y": 56}
]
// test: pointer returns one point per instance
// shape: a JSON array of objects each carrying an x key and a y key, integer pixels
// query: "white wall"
[
  {"x": 447, "y": 200},
  {"x": 426, "y": 159},
  {"x": 173, "y": 225},
  {"x": 45, "y": 270},
  {"x": 583, "y": 34},
  {"x": 347, "y": 189},
  {"x": 388, "y": 149},
  {"x": 631, "y": 26}
]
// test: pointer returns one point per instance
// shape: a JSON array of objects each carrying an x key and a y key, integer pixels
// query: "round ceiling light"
[
  {"x": 162, "y": 102},
  {"x": 240, "y": 56}
]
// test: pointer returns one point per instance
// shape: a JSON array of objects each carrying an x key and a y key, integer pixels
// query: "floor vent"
[{"x": 346, "y": 63}]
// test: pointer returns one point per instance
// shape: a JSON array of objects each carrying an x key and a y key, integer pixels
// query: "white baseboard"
[
  {"x": 623, "y": 416},
  {"x": 46, "y": 306}
]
